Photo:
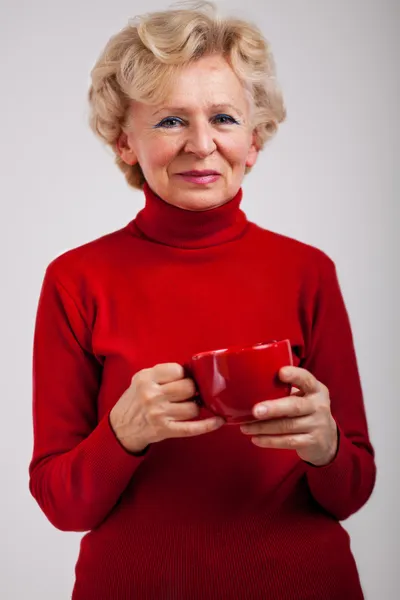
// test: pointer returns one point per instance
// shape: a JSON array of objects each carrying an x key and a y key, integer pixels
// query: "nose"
[{"x": 200, "y": 139}]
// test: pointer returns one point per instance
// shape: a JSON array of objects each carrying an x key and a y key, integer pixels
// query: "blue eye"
[
  {"x": 164, "y": 122},
  {"x": 231, "y": 119}
]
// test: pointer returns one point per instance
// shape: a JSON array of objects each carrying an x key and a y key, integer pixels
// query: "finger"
[
  {"x": 177, "y": 391},
  {"x": 167, "y": 372},
  {"x": 192, "y": 428},
  {"x": 295, "y": 391},
  {"x": 287, "y": 442},
  {"x": 290, "y": 406},
  {"x": 183, "y": 411},
  {"x": 279, "y": 426},
  {"x": 301, "y": 378}
]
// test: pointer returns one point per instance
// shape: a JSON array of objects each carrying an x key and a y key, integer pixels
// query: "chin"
[
  {"x": 200, "y": 208},
  {"x": 198, "y": 205},
  {"x": 198, "y": 200}
]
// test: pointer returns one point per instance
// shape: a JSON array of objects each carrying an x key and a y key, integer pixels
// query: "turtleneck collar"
[{"x": 167, "y": 224}]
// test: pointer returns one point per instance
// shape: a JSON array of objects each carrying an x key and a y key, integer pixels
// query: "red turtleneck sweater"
[{"x": 211, "y": 516}]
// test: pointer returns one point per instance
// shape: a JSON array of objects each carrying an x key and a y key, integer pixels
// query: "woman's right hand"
[{"x": 153, "y": 408}]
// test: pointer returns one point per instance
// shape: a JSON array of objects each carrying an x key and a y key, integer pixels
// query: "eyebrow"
[{"x": 182, "y": 109}]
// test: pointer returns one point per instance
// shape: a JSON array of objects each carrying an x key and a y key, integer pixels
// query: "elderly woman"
[{"x": 176, "y": 504}]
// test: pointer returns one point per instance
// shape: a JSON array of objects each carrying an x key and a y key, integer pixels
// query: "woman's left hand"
[{"x": 301, "y": 421}]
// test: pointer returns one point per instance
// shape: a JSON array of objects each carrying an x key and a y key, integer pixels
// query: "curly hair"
[{"x": 140, "y": 61}]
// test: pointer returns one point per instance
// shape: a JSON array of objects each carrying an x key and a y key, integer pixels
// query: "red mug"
[{"x": 232, "y": 380}]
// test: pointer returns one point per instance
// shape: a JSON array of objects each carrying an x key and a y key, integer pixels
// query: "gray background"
[{"x": 329, "y": 178}]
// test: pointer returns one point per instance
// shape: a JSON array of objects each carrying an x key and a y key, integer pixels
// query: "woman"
[{"x": 177, "y": 505}]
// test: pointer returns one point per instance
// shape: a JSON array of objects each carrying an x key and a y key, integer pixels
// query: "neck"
[{"x": 162, "y": 222}]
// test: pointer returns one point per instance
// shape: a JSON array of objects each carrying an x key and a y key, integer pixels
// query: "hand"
[
  {"x": 301, "y": 421},
  {"x": 153, "y": 408}
]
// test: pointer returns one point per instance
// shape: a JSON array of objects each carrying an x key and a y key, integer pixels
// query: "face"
[{"x": 203, "y": 124}]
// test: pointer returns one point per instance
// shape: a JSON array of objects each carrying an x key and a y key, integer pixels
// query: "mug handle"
[{"x": 196, "y": 398}]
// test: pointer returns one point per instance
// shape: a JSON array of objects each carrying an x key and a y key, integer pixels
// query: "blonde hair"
[{"x": 140, "y": 61}]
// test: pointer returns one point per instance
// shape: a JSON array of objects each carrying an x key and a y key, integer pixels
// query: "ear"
[
  {"x": 125, "y": 151},
  {"x": 252, "y": 152}
]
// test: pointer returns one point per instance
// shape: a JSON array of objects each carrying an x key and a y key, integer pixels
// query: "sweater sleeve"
[
  {"x": 343, "y": 486},
  {"x": 78, "y": 469}
]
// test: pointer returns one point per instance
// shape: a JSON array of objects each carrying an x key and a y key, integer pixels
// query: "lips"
[{"x": 200, "y": 173}]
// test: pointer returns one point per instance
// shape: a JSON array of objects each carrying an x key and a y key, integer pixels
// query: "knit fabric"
[{"x": 211, "y": 516}]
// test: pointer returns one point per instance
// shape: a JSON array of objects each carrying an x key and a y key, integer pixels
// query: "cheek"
[
  {"x": 157, "y": 152},
  {"x": 235, "y": 148},
  {"x": 163, "y": 151}
]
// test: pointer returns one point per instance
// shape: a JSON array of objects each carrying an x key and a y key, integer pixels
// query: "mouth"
[
  {"x": 200, "y": 173},
  {"x": 200, "y": 177}
]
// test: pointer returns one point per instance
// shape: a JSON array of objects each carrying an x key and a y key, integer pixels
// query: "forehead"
[
  {"x": 208, "y": 76},
  {"x": 208, "y": 83}
]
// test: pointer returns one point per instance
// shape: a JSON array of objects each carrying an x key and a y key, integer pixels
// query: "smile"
[{"x": 200, "y": 179}]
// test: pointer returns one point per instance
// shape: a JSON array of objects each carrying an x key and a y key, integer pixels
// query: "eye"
[
  {"x": 168, "y": 122},
  {"x": 164, "y": 122},
  {"x": 230, "y": 119}
]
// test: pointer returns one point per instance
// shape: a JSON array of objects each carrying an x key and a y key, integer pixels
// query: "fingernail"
[
  {"x": 286, "y": 371},
  {"x": 261, "y": 411}
]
